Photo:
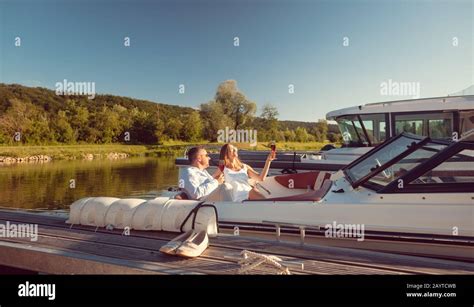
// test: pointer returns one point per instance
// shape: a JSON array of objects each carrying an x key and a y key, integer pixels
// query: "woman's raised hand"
[{"x": 271, "y": 156}]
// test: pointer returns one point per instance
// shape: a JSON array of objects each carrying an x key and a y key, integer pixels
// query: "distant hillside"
[
  {"x": 52, "y": 103},
  {"x": 38, "y": 116}
]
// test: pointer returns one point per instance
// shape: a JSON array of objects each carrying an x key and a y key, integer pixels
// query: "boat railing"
[{"x": 302, "y": 228}]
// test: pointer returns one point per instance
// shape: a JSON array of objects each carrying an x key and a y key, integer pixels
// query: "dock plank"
[
  {"x": 126, "y": 248},
  {"x": 57, "y": 261},
  {"x": 140, "y": 250}
]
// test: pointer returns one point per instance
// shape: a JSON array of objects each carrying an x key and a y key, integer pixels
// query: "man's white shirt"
[{"x": 197, "y": 183}]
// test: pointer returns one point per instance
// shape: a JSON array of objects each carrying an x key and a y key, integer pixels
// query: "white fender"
[
  {"x": 75, "y": 210},
  {"x": 147, "y": 216},
  {"x": 94, "y": 211},
  {"x": 206, "y": 220},
  {"x": 175, "y": 213},
  {"x": 161, "y": 213},
  {"x": 121, "y": 212}
]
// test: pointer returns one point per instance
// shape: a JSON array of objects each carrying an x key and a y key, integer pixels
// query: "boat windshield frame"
[
  {"x": 451, "y": 149},
  {"x": 355, "y": 182},
  {"x": 454, "y": 148}
]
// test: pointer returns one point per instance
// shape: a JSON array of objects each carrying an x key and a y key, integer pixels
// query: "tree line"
[{"x": 39, "y": 116}]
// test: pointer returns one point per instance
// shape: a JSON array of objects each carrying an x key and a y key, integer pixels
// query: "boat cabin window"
[
  {"x": 362, "y": 130},
  {"x": 375, "y": 126},
  {"x": 351, "y": 130},
  {"x": 457, "y": 169},
  {"x": 440, "y": 128},
  {"x": 434, "y": 125},
  {"x": 466, "y": 121},
  {"x": 407, "y": 125}
]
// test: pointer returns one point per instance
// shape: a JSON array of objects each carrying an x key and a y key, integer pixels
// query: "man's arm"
[
  {"x": 199, "y": 189},
  {"x": 196, "y": 185}
]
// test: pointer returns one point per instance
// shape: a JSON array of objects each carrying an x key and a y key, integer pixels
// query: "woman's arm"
[
  {"x": 260, "y": 177},
  {"x": 217, "y": 173}
]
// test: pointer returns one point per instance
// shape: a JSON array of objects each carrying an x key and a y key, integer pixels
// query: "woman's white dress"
[{"x": 239, "y": 181}]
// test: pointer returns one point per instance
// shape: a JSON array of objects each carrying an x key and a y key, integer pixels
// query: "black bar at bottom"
[{"x": 221, "y": 290}]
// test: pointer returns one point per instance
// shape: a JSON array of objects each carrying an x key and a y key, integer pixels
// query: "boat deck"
[{"x": 60, "y": 249}]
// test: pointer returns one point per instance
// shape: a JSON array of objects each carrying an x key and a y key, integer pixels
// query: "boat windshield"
[
  {"x": 457, "y": 169},
  {"x": 395, "y": 171},
  {"x": 418, "y": 161},
  {"x": 370, "y": 163}
]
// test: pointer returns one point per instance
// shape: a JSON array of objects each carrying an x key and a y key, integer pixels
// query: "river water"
[{"x": 57, "y": 184}]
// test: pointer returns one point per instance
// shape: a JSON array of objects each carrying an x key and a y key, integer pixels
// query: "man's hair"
[{"x": 193, "y": 153}]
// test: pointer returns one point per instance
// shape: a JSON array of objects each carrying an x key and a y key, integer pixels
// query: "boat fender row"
[{"x": 160, "y": 214}]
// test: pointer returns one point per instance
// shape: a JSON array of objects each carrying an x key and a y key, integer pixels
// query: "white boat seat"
[
  {"x": 312, "y": 180},
  {"x": 222, "y": 193},
  {"x": 314, "y": 195}
]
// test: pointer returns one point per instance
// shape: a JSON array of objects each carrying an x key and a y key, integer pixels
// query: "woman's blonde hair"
[{"x": 225, "y": 155}]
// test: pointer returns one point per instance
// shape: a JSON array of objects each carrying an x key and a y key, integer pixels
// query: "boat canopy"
[{"x": 437, "y": 118}]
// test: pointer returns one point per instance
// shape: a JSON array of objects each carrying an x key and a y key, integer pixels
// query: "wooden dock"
[{"x": 60, "y": 249}]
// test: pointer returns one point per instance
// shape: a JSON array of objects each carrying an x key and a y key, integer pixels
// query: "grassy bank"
[{"x": 69, "y": 152}]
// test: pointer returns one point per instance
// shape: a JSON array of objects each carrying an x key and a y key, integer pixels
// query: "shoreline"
[{"x": 25, "y": 154}]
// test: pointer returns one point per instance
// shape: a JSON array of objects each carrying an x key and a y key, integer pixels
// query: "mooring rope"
[{"x": 252, "y": 260}]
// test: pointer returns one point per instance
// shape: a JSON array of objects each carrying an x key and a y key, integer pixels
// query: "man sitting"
[{"x": 197, "y": 182}]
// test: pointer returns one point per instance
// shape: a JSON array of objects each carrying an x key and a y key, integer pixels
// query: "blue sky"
[{"x": 281, "y": 42}]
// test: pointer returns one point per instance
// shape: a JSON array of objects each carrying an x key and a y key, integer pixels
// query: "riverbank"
[
  {"x": 26, "y": 153},
  {"x": 84, "y": 152}
]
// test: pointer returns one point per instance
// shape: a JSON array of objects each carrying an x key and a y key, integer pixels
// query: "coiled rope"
[{"x": 252, "y": 260}]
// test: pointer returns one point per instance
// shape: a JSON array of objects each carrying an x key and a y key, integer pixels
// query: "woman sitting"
[{"x": 237, "y": 174}]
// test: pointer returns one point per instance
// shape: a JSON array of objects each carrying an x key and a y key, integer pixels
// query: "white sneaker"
[
  {"x": 194, "y": 246},
  {"x": 171, "y": 247}
]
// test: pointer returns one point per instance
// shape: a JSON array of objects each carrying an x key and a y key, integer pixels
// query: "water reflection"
[{"x": 35, "y": 186}]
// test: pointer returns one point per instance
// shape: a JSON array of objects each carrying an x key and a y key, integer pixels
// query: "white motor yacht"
[{"x": 410, "y": 194}]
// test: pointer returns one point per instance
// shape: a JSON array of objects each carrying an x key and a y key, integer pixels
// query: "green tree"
[
  {"x": 270, "y": 122},
  {"x": 38, "y": 132},
  {"x": 192, "y": 128},
  {"x": 269, "y": 112},
  {"x": 234, "y": 103},
  {"x": 147, "y": 128},
  {"x": 290, "y": 135},
  {"x": 321, "y": 130},
  {"x": 173, "y": 128},
  {"x": 14, "y": 119},
  {"x": 301, "y": 135},
  {"x": 63, "y": 130},
  {"x": 27, "y": 119},
  {"x": 107, "y": 123},
  {"x": 214, "y": 119}
]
